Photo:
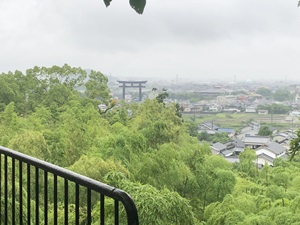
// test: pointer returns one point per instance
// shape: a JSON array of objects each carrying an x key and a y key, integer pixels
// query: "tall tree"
[
  {"x": 264, "y": 131},
  {"x": 71, "y": 77},
  {"x": 247, "y": 165},
  {"x": 96, "y": 87},
  {"x": 282, "y": 95},
  {"x": 264, "y": 91},
  {"x": 295, "y": 146}
]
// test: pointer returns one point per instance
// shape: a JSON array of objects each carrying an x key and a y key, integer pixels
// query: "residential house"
[
  {"x": 226, "y": 153},
  {"x": 284, "y": 138},
  {"x": 187, "y": 110},
  {"x": 208, "y": 127},
  {"x": 291, "y": 134},
  {"x": 212, "y": 108},
  {"x": 216, "y": 90},
  {"x": 196, "y": 108},
  {"x": 191, "y": 108},
  {"x": 217, "y": 148},
  {"x": 280, "y": 137},
  {"x": 255, "y": 142},
  {"x": 262, "y": 112},
  {"x": 255, "y": 125},
  {"x": 229, "y": 131},
  {"x": 102, "y": 107},
  {"x": 231, "y": 110},
  {"x": 211, "y": 128},
  {"x": 248, "y": 131},
  {"x": 250, "y": 109},
  {"x": 236, "y": 146},
  {"x": 269, "y": 152},
  {"x": 295, "y": 113},
  {"x": 232, "y": 159}
]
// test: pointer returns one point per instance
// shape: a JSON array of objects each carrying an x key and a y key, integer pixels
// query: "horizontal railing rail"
[{"x": 31, "y": 192}]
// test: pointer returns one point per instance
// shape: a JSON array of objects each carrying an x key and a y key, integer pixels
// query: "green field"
[{"x": 239, "y": 120}]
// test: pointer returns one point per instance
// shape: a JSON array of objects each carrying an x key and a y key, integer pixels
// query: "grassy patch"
[{"x": 240, "y": 120}]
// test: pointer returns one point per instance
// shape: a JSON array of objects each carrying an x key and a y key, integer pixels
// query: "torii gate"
[{"x": 132, "y": 84}]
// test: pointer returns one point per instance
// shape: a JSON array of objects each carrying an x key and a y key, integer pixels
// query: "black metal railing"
[{"x": 36, "y": 192}]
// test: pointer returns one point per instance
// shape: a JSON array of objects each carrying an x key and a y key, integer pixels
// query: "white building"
[{"x": 269, "y": 152}]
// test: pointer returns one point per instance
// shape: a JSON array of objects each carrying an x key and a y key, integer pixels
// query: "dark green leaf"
[
  {"x": 107, "y": 2},
  {"x": 138, "y": 5}
]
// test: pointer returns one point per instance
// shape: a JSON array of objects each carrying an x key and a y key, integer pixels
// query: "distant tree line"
[
  {"x": 280, "y": 94},
  {"x": 275, "y": 108}
]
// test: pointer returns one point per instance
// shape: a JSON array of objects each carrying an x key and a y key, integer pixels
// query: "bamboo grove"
[{"x": 145, "y": 149}]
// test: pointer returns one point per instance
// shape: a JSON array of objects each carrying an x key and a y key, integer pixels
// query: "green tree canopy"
[
  {"x": 275, "y": 108},
  {"x": 264, "y": 131},
  {"x": 264, "y": 91},
  {"x": 145, "y": 149},
  {"x": 295, "y": 146},
  {"x": 282, "y": 95},
  {"x": 96, "y": 87}
]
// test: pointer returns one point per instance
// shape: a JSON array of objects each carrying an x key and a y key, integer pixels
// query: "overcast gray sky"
[{"x": 194, "y": 39}]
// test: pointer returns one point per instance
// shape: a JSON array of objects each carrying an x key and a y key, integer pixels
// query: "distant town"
[{"x": 262, "y": 116}]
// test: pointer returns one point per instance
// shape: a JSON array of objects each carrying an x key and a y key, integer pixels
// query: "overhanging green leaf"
[
  {"x": 107, "y": 2},
  {"x": 138, "y": 5}
]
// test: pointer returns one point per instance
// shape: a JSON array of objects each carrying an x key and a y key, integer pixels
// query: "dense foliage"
[
  {"x": 145, "y": 149},
  {"x": 275, "y": 108},
  {"x": 280, "y": 95},
  {"x": 266, "y": 92},
  {"x": 265, "y": 131},
  {"x": 190, "y": 96}
]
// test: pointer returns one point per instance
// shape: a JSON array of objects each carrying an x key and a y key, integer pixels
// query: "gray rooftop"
[
  {"x": 232, "y": 159},
  {"x": 273, "y": 147},
  {"x": 209, "y": 125},
  {"x": 219, "y": 146},
  {"x": 256, "y": 140},
  {"x": 226, "y": 153},
  {"x": 238, "y": 143},
  {"x": 276, "y": 148},
  {"x": 282, "y": 135}
]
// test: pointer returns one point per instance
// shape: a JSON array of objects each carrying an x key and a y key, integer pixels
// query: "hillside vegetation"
[{"x": 144, "y": 149}]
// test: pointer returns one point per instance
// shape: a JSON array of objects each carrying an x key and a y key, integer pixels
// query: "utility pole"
[{"x": 271, "y": 115}]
